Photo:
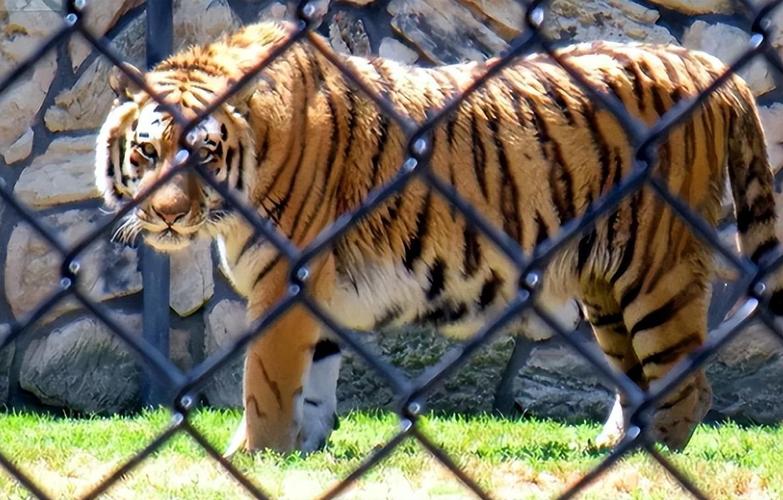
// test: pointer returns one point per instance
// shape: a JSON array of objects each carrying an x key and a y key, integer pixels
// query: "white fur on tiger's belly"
[{"x": 361, "y": 299}]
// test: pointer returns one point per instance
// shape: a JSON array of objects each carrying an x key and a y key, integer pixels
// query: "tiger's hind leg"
[
  {"x": 320, "y": 396},
  {"x": 666, "y": 324},
  {"x": 605, "y": 317}
]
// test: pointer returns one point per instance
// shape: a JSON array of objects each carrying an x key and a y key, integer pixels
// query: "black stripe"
[
  {"x": 472, "y": 252},
  {"x": 413, "y": 246},
  {"x": 684, "y": 394},
  {"x": 553, "y": 93},
  {"x": 664, "y": 313},
  {"x": 760, "y": 212},
  {"x": 479, "y": 153},
  {"x": 240, "y": 168},
  {"x": 673, "y": 352},
  {"x": 586, "y": 244},
  {"x": 391, "y": 314},
  {"x": 383, "y": 138},
  {"x": 489, "y": 291},
  {"x": 630, "y": 294},
  {"x": 437, "y": 279},
  {"x": 630, "y": 245},
  {"x": 325, "y": 348},
  {"x": 446, "y": 313},
  {"x": 606, "y": 320},
  {"x": 509, "y": 193},
  {"x": 223, "y": 131},
  {"x": 558, "y": 174},
  {"x": 541, "y": 230},
  {"x": 600, "y": 143},
  {"x": 269, "y": 266},
  {"x": 763, "y": 248}
]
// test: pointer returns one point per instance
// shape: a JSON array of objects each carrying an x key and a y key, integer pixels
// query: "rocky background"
[{"x": 69, "y": 361}]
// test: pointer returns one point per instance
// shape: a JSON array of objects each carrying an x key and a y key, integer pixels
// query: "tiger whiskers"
[{"x": 128, "y": 231}]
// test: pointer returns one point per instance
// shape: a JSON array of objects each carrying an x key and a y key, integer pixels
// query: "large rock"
[
  {"x": 224, "y": 323},
  {"x": 86, "y": 104},
  {"x": 699, "y": 6},
  {"x": 444, "y": 31},
  {"x": 32, "y": 267},
  {"x": 22, "y": 31},
  {"x": 728, "y": 43},
  {"x": 200, "y": 21},
  {"x": 191, "y": 283},
  {"x": 6, "y": 358},
  {"x": 772, "y": 119},
  {"x": 83, "y": 366},
  {"x": 747, "y": 378},
  {"x": 614, "y": 20},
  {"x": 86, "y": 367},
  {"x": 470, "y": 389},
  {"x": 348, "y": 36},
  {"x": 392, "y": 48},
  {"x": 99, "y": 18},
  {"x": 557, "y": 382},
  {"x": 64, "y": 173},
  {"x": 20, "y": 149},
  {"x": 508, "y": 16}
]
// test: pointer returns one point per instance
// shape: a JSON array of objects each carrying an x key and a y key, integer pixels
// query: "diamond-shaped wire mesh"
[{"x": 415, "y": 168}]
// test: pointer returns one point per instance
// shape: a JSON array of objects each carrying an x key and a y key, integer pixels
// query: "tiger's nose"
[
  {"x": 170, "y": 203},
  {"x": 168, "y": 217}
]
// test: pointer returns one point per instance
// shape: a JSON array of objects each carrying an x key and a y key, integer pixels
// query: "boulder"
[
  {"x": 32, "y": 267},
  {"x": 84, "y": 367},
  {"x": 191, "y": 283},
  {"x": 225, "y": 321},
  {"x": 699, "y": 6},
  {"x": 613, "y": 20},
  {"x": 22, "y": 31},
  {"x": 64, "y": 173},
  {"x": 727, "y": 43},
  {"x": 20, "y": 149},
  {"x": 99, "y": 18},
  {"x": 391, "y": 48},
  {"x": 444, "y": 31}
]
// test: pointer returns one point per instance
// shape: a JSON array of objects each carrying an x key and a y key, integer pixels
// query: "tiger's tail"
[{"x": 752, "y": 186}]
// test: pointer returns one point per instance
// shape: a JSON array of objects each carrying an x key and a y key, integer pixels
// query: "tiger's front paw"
[{"x": 319, "y": 421}]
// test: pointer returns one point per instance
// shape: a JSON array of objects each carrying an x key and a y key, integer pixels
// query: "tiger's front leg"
[{"x": 276, "y": 368}]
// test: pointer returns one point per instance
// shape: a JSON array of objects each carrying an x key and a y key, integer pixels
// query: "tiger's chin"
[{"x": 168, "y": 241}]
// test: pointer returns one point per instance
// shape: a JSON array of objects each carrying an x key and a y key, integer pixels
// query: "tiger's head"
[{"x": 140, "y": 142}]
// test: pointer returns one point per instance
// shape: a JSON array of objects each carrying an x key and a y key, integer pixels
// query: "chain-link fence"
[{"x": 412, "y": 393}]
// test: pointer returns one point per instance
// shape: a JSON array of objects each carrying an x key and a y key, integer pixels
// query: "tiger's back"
[{"x": 528, "y": 150}]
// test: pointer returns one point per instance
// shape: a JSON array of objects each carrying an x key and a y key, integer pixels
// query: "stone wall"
[{"x": 69, "y": 360}]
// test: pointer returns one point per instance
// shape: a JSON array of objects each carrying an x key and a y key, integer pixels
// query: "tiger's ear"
[{"x": 121, "y": 84}]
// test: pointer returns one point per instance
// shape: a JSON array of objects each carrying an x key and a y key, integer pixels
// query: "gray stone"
[
  {"x": 32, "y": 267},
  {"x": 698, "y": 6},
  {"x": 83, "y": 366},
  {"x": 444, "y": 31},
  {"x": 391, "y": 48},
  {"x": 64, "y": 173},
  {"x": 6, "y": 358},
  {"x": 506, "y": 16},
  {"x": 470, "y": 389},
  {"x": 191, "y": 283},
  {"x": 557, "y": 382},
  {"x": 225, "y": 322},
  {"x": 747, "y": 377},
  {"x": 179, "y": 349},
  {"x": 348, "y": 36},
  {"x": 772, "y": 120},
  {"x": 22, "y": 31},
  {"x": 200, "y": 21},
  {"x": 728, "y": 43},
  {"x": 20, "y": 149},
  {"x": 614, "y": 20},
  {"x": 99, "y": 18},
  {"x": 274, "y": 10}
]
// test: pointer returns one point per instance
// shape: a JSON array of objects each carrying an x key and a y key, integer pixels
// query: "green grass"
[{"x": 513, "y": 459}]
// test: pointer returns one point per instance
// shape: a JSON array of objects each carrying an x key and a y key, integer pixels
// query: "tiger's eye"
[
  {"x": 204, "y": 155},
  {"x": 149, "y": 150}
]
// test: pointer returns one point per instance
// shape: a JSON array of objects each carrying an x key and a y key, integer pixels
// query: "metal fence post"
[{"x": 155, "y": 266}]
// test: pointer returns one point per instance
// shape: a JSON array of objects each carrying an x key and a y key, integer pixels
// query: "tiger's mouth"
[{"x": 168, "y": 239}]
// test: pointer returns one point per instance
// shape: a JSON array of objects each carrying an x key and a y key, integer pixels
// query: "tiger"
[{"x": 530, "y": 150}]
